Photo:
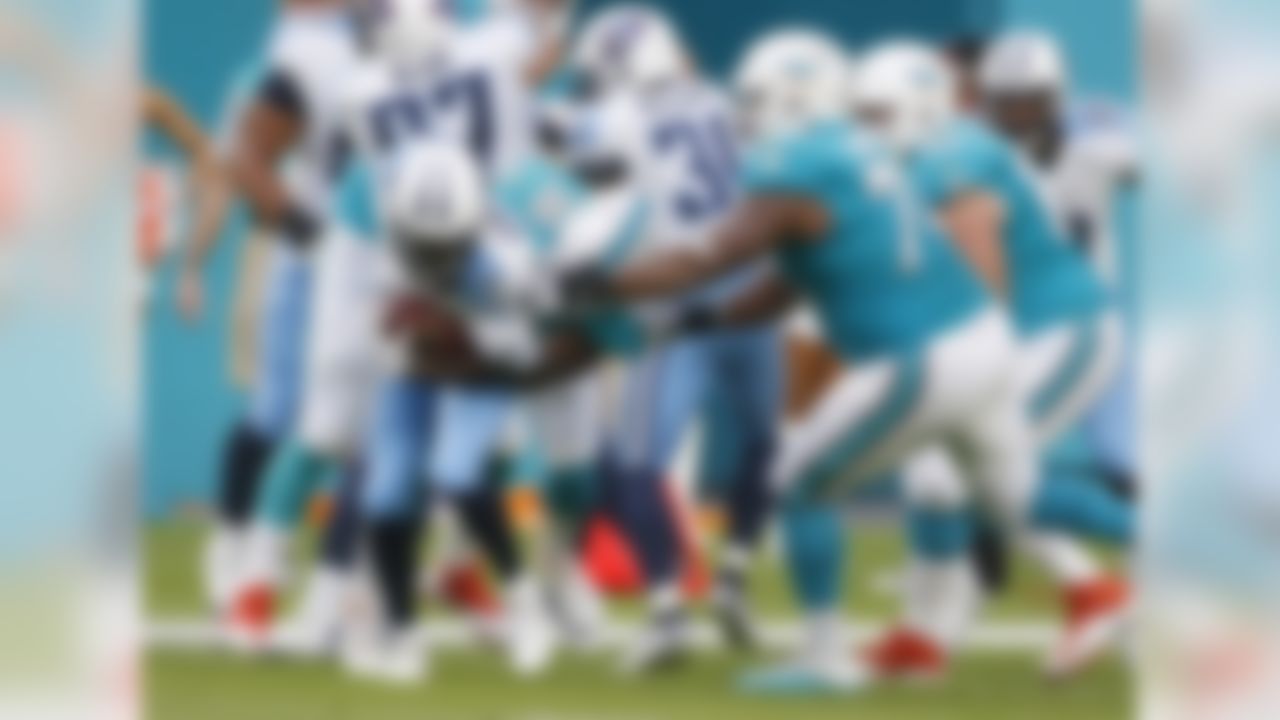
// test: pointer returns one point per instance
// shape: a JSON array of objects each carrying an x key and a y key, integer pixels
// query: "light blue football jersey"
[
  {"x": 884, "y": 280},
  {"x": 1050, "y": 282}
]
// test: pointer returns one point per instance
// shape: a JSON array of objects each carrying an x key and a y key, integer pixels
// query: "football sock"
[{"x": 244, "y": 458}]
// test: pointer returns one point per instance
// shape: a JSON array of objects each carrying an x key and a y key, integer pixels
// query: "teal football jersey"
[
  {"x": 884, "y": 280},
  {"x": 1050, "y": 282},
  {"x": 538, "y": 200}
]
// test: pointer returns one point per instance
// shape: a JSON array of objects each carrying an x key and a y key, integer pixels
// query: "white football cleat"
[
  {"x": 664, "y": 642},
  {"x": 732, "y": 610},
  {"x": 531, "y": 636},
  {"x": 392, "y": 657},
  {"x": 220, "y": 568},
  {"x": 808, "y": 675},
  {"x": 315, "y": 630},
  {"x": 577, "y": 608}
]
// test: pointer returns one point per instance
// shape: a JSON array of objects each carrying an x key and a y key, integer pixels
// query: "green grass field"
[{"x": 185, "y": 684}]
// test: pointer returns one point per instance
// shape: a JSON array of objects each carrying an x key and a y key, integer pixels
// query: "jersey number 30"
[{"x": 712, "y": 164}]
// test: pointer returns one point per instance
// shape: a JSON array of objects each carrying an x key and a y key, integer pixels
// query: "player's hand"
[
  {"x": 697, "y": 320},
  {"x": 587, "y": 287},
  {"x": 421, "y": 320},
  {"x": 191, "y": 295}
]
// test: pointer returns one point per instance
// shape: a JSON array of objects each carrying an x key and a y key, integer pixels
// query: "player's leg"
[
  {"x": 567, "y": 423},
  {"x": 993, "y": 441},
  {"x": 942, "y": 592},
  {"x": 394, "y": 507},
  {"x": 747, "y": 377},
  {"x": 340, "y": 379},
  {"x": 270, "y": 415},
  {"x": 865, "y": 423},
  {"x": 870, "y": 422},
  {"x": 664, "y": 391},
  {"x": 316, "y": 627},
  {"x": 1111, "y": 429},
  {"x": 1066, "y": 372},
  {"x": 463, "y": 469}
]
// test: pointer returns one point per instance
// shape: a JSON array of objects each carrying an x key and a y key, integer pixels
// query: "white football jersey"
[
  {"x": 315, "y": 50},
  {"x": 475, "y": 93},
  {"x": 1099, "y": 157},
  {"x": 691, "y": 173},
  {"x": 500, "y": 298}
]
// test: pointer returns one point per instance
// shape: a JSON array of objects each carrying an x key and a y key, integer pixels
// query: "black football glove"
[{"x": 587, "y": 288}]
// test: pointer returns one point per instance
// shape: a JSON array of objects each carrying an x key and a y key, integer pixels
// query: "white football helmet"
[
  {"x": 402, "y": 31},
  {"x": 905, "y": 92},
  {"x": 437, "y": 198},
  {"x": 607, "y": 139},
  {"x": 789, "y": 79},
  {"x": 631, "y": 47},
  {"x": 1025, "y": 61}
]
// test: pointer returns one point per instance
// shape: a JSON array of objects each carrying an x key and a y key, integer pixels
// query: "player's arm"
[
  {"x": 551, "y": 18},
  {"x": 762, "y": 303},
  {"x": 208, "y": 185},
  {"x": 975, "y": 220},
  {"x": 565, "y": 355},
  {"x": 269, "y": 130},
  {"x": 756, "y": 228}
]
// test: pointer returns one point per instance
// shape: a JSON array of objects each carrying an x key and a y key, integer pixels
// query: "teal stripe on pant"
[
  {"x": 822, "y": 480},
  {"x": 1047, "y": 399},
  {"x": 1074, "y": 505},
  {"x": 296, "y": 474}
]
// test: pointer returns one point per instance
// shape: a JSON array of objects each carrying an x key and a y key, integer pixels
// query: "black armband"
[
  {"x": 700, "y": 319},
  {"x": 588, "y": 287}
]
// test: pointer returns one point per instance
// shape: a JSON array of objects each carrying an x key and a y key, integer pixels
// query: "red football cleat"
[
  {"x": 906, "y": 654},
  {"x": 252, "y": 615},
  {"x": 1096, "y": 615}
]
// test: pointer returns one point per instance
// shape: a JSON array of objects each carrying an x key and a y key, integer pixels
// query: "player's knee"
[{"x": 931, "y": 483}]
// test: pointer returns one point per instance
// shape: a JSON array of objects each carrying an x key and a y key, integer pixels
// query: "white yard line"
[{"x": 996, "y": 637}]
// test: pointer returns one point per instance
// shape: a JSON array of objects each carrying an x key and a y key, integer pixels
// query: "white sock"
[
  {"x": 1066, "y": 560},
  {"x": 665, "y": 599},
  {"x": 824, "y": 635},
  {"x": 223, "y": 564},
  {"x": 735, "y": 559},
  {"x": 325, "y": 596},
  {"x": 942, "y": 598},
  {"x": 266, "y": 555}
]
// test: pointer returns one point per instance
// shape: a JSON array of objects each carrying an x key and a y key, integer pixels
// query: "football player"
[{"x": 989, "y": 203}]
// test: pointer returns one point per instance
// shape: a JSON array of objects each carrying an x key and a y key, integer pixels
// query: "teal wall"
[{"x": 195, "y": 49}]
